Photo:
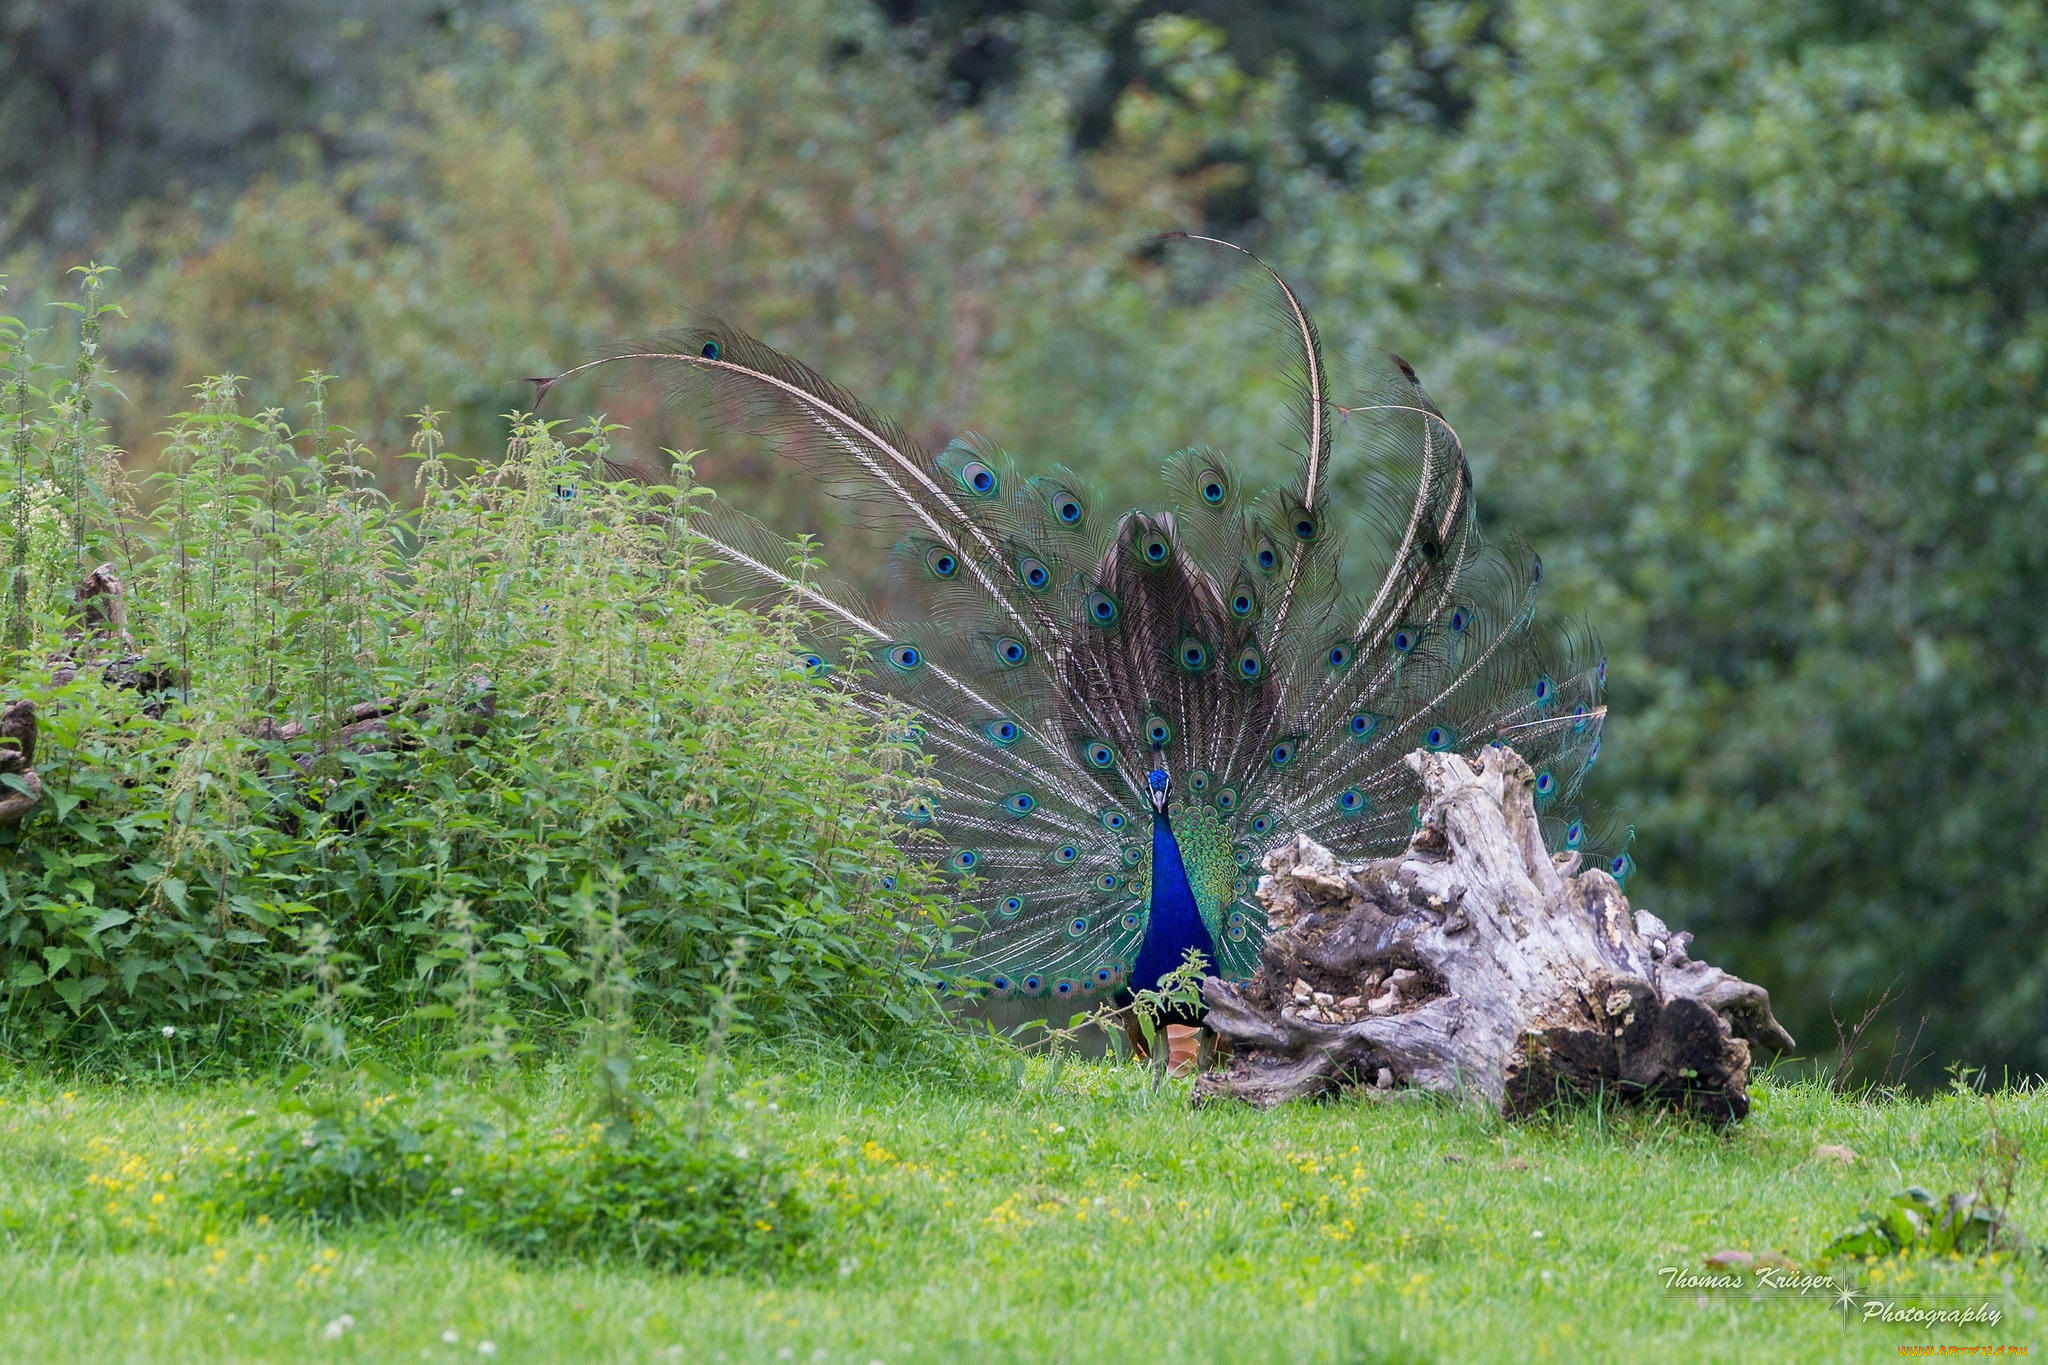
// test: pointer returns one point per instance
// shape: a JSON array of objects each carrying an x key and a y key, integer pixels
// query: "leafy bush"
[
  {"x": 670, "y": 1199},
  {"x": 391, "y": 761}
]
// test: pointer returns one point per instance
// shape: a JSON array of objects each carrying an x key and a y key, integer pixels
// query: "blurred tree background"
[{"x": 1742, "y": 311}]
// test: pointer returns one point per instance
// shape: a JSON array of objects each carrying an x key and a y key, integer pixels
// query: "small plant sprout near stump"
[{"x": 1475, "y": 963}]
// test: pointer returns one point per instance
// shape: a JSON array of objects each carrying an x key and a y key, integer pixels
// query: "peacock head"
[{"x": 1161, "y": 787}]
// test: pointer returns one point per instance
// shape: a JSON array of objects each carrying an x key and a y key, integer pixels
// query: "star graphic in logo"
[{"x": 1845, "y": 1298}]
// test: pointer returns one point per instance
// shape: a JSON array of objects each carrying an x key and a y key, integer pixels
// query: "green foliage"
[
  {"x": 1959, "y": 1224},
  {"x": 558, "y": 725},
  {"x": 668, "y": 1199}
]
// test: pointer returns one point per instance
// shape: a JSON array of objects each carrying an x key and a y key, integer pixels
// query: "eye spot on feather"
[
  {"x": 1535, "y": 570},
  {"x": 1108, "y": 881},
  {"x": 1067, "y": 507},
  {"x": 888, "y": 883},
  {"x": 1241, "y": 603},
  {"x": 1262, "y": 824},
  {"x": 942, "y": 563},
  {"x": 1545, "y": 690},
  {"x": 978, "y": 479},
  {"x": 1283, "y": 754},
  {"x": 1158, "y": 732},
  {"x": 1098, "y": 755},
  {"x": 1011, "y": 653},
  {"x": 1154, "y": 548},
  {"x": 813, "y": 664},
  {"x": 1241, "y": 856},
  {"x": 1002, "y": 732},
  {"x": 1574, "y": 834},
  {"x": 1020, "y": 803},
  {"x": 1212, "y": 487},
  {"x": 711, "y": 350},
  {"x": 1132, "y": 920},
  {"x": 1350, "y": 801},
  {"x": 1580, "y": 715},
  {"x": 1000, "y": 984},
  {"x": 1226, "y": 800},
  {"x": 1269, "y": 558},
  {"x": 1546, "y": 787},
  {"x": 1034, "y": 984},
  {"x": 1237, "y": 933},
  {"x": 1620, "y": 866},
  {"x": 1062, "y": 988},
  {"x": 1430, "y": 549},
  {"x": 1405, "y": 640},
  {"x": 1102, "y": 609},
  {"x": 1305, "y": 526},
  {"x": 1438, "y": 738},
  {"x": 1033, "y": 574},
  {"x": 1339, "y": 657},
  {"x": 964, "y": 860},
  {"x": 1010, "y": 907},
  {"x": 1593, "y": 754},
  {"x": 1194, "y": 655},
  {"x": 1113, "y": 820},
  {"x": 1251, "y": 665},
  {"x": 1460, "y": 619},
  {"x": 1077, "y": 926},
  {"x": 1363, "y": 725},
  {"x": 1065, "y": 854},
  {"x": 1199, "y": 780},
  {"x": 1103, "y": 976},
  {"x": 919, "y": 811},
  {"x": 903, "y": 658},
  {"x": 1132, "y": 855}
]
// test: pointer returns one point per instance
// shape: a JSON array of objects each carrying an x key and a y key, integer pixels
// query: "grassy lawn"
[{"x": 1081, "y": 1217}]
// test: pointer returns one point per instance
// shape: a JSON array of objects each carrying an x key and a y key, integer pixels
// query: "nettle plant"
[{"x": 342, "y": 737}]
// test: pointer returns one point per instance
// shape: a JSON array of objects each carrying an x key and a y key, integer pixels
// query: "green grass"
[{"x": 1079, "y": 1218}]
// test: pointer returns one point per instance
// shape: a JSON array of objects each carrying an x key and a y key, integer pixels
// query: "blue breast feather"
[{"x": 1175, "y": 924}]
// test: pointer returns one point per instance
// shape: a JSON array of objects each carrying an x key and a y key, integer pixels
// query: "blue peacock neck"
[{"x": 1175, "y": 923}]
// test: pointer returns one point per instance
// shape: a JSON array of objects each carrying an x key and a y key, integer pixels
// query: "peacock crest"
[{"x": 1124, "y": 710}]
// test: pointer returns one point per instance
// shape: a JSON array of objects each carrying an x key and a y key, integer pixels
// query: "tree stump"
[{"x": 1476, "y": 964}]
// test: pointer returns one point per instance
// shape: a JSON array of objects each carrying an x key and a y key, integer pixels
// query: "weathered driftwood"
[
  {"x": 18, "y": 761},
  {"x": 1475, "y": 963}
]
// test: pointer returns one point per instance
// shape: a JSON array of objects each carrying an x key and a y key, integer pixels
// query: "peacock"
[{"x": 1123, "y": 711}]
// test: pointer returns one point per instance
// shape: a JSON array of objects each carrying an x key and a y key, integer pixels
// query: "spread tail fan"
[{"x": 1124, "y": 709}]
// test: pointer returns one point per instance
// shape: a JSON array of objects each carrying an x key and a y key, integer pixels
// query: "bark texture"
[{"x": 1475, "y": 963}]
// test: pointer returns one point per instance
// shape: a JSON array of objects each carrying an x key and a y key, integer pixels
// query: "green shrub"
[
  {"x": 562, "y": 720},
  {"x": 670, "y": 1199}
]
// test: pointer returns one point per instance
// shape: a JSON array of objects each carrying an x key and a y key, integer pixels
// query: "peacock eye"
[
  {"x": 1212, "y": 487},
  {"x": 1363, "y": 724},
  {"x": 1350, "y": 802},
  {"x": 1132, "y": 920},
  {"x": 1033, "y": 574},
  {"x": 1194, "y": 655},
  {"x": 888, "y": 883},
  {"x": 905, "y": 657},
  {"x": 978, "y": 478},
  {"x": 1404, "y": 640},
  {"x": 1102, "y": 609},
  {"x": 1237, "y": 933},
  {"x": 1544, "y": 688},
  {"x": 1250, "y": 663},
  {"x": 1067, "y": 507},
  {"x": 1600, "y": 674},
  {"x": 1305, "y": 527},
  {"x": 1460, "y": 618},
  {"x": 1621, "y": 866},
  {"x": 1113, "y": 820},
  {"x": 964, "y": 860},
  {"x": 1579, "y": 717},
  {"x": 1283, "y": 753},
  {"x": 1003, "y": 732},
  {"x": 810, "y": 663},
  {"x": 943, "y": 563},
  {"x": 1438, "y": 738},
  {"x": 1339, "y": 655},
  {"x": 1155, "y": 549},
  {"x": 1011, "y": 653},
  {"x": 1535, "y": 570},
  {"x": 918, "y": 811},
  {"x": 1033, "y": 984},
  {"x": 1545, "y": 784},
  {"x": 1158, "y": 733},
  {"x": 1132, "y": 855},
  {"x": 1574, "y": 834},
  {"x": 1103, "y": 976},
  {"x": 712, "y": 350},
  {"x": 1098, "y": 754},
  {"x": 1199, "y": 780},
  {"x": 1020, "y": 803},
  {"x": 1065, "y": 854},
  {"x": 1269, "y": 558},
  {"x": 1241, "y": 605},
  {"x": 1012, "y": 905},
  {"x": 1226, "y": 800},
  {"x": 1106, "y": 882},
  {"x": 999, "y": 984},
  {"x": 1077, "y": 927},
  {"x": 1593, "y": 754},
  {"x": 1262, "y": 824}
]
